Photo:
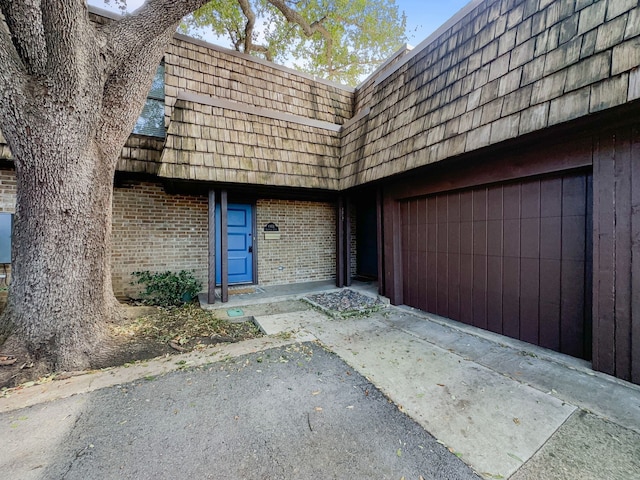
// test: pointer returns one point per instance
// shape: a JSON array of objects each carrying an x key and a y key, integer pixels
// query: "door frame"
[
  {"x": 251, "y": 234},
  {"x": 212, "y": 259}
]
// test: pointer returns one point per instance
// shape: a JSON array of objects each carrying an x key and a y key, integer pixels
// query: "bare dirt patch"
[{"x": 144, "y": 333}]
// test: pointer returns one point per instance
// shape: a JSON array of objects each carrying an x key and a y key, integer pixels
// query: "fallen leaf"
[
  {"x": 399, "y": 452},
  {"x": 516, "y": 420},
  {"x": 515, "y": 457},
  {"x": 7, "y": 360}
]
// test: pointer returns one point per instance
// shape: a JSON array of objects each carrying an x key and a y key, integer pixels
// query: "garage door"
[{"x": 509, "y": 258}]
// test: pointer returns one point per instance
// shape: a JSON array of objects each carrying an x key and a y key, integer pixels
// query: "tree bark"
[
  {"x": 70, "y": 93},
  {"x": 61, "y": 294}
]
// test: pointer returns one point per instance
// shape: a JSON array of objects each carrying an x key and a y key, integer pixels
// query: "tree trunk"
[
  {"x": 61, "y": 294},
  {"x": 70, "y": 93}
]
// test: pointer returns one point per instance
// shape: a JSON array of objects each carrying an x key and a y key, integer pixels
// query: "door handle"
[{"x": 250, "y": 249}]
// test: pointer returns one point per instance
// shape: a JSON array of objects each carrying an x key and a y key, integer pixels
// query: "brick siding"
[
  {"x": 306, "y": 248},
  {"x": 155, "y": 231}
]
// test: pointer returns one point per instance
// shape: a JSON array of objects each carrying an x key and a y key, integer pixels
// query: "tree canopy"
[{"x": 339, "y": 40}]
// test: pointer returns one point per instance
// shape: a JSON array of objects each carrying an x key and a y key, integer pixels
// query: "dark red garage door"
[{"x": 510, "y": 258}]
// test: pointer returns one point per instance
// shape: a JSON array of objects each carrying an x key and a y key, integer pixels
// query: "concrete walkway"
[{"x": 506, "y": 408}]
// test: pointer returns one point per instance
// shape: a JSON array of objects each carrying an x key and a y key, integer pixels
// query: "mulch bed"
[{"x": 345, "y": 303}]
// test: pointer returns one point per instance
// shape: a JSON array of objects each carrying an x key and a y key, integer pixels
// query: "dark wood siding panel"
[
  {"x": 511, "y": 261},
  {"x": 604, "y": 254},
  {"x": 422, "y": 253},
  {"x": 495, "y": 279},
  {"x": 453, "y": 266},
  {"x": 623, "y": 254},
  {"x": 466, "y": 257},
  {"x": 635, "y": 255},
  {"x": 616, "y": 274}
]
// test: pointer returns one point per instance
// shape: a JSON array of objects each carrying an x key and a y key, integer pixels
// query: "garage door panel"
[
  {"x": 454, "y": 208},
  {"x": 479, "y": 293},
  {"x": 494, "y": 238},
  {"x": 480, "y": 237},
  {"x": 574, "y": 191},
  {"x": 466, "y": 206},
  {"x": 466, "y": 238},
  {"x": 454, "y": 237},
  {"x": 530, "y": 199},
  {"x": 432, "y": 210},
  {"x": 551, "y": 238},
  {"x": 551, "y": 198},
  {"x": 442, "y": 306},
  {"x": 511, "y": 196},
  {"x": 432, "y": 237},
  {"x": 480, "y": 204},
  {"x": 494, "y": 294},
  {"x": 509, "y": 258},
  {"x": 550, "y": 275},
  {"x": 453, "y": 287},
  {"x": 530, "y": 238},
  {"x": 573, "y": 231},
  {"x": 511, "y": 297},
  {"x": 494, "y": 203},
  {"x": 432, "y": 281},
  {"x": 512, "y": 238},
  {"x": 442, "y": 235},
  {"x": 466, "y": 289},
  {"x": 529, "y": 299},
  {"x": 550, "y": 325}
]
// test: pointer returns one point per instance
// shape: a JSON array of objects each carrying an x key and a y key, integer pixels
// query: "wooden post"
[
  {"x": 340, "y": 242},
  {"x": 224, "y": 248},
  {"x": 380, "y": 241},
  {"x": 211, "y": 294},
  {"x": 347, "y": 242}
]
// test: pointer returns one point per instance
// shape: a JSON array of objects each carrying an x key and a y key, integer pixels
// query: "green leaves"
[
  {"x": 166, "y": 289},
  {"x": 351, "y": 37}
]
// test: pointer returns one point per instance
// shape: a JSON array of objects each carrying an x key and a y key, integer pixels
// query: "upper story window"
[{"x": 151, "y": 120}]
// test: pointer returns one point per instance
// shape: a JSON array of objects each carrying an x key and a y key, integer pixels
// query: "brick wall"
[
  {"x": 156, "y": 231},
  {"x": 306, "y": 248}
]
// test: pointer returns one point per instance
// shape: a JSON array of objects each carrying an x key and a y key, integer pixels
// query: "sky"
[{"x": 423, "y": 16}]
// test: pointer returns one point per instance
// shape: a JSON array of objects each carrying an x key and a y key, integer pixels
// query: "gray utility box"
[{"x": 6, "y": 226}]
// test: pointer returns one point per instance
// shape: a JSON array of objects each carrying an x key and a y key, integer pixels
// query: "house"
[{"x": 490, "y": 175}]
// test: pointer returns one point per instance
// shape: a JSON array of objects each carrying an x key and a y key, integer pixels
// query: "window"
[{"x": 151, "y": 120}]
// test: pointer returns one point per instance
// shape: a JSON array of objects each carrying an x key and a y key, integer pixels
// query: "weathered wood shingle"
[
  {"x": 213, "y": 140},
  {"x": 506, "y": 69}
]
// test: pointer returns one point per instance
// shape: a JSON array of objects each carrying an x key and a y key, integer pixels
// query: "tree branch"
[
  {"x": 309, "y": 29},
  {"x": 249, "y": 25},
  {"x": 24, "y": 21},
  {"x": 65, "y": 24},
  {"x": 13, "y": 78},
  {"x": 134, "y": 31}
]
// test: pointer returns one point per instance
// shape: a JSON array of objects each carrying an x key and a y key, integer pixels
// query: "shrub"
[{"x": 167, "y": 288}]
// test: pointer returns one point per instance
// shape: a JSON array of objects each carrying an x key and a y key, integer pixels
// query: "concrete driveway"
[
  {"x": 283, "y": 406},
  {"x": 294, "y": 411}
]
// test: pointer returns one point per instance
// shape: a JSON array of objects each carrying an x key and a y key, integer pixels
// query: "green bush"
[{"x": 167, "y": 288}]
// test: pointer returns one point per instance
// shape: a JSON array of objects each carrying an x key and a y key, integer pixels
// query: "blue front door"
[{"x": 240, "y": 243}]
